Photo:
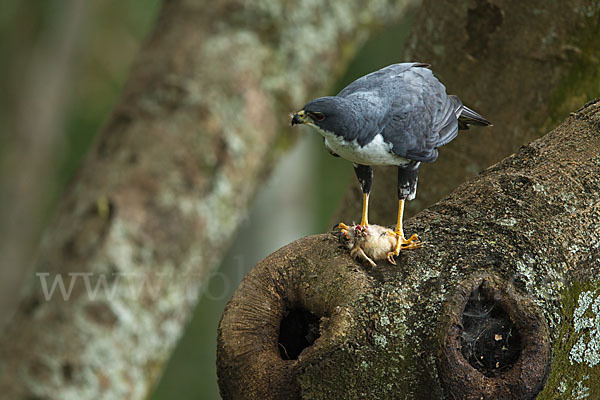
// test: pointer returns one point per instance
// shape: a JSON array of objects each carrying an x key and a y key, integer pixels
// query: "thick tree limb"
[
  {"x": 524, "y": 66},
  {"x": 164, "y": 187},
  {"x": 503, "y": 299}
]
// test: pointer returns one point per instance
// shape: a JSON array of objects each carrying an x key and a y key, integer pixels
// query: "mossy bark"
[
  {"x": 163, "y": 189},
  {"x": 522, "y": 65},
  {"x": 522, "y": 237}
]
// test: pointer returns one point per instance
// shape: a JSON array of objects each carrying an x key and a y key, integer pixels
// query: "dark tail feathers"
[{"x": 466, "y": 116}]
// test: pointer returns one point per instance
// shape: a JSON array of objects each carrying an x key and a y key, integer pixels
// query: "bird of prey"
[{"x": 398, "y": 115}]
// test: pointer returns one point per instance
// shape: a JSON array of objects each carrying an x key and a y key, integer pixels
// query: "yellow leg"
[
  {"x": 399, "y": 230},
  {"x": 365, "y": 212},
  {"x": 413, "y": 242}
]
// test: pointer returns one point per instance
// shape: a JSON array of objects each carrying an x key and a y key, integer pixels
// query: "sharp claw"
[
  {"x": 414, "y": 238},
  {"x": 414, "y": 242},
  {"x": 410, "y": 242},
  {"x": 390, "y": 258},
  {"x": 341, "y": 225},
  {"x": 410, "y": 246},
  {"x": 341, "y": 230}
]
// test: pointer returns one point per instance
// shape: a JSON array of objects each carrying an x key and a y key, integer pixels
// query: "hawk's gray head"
[{"x": 332, "y": 114}]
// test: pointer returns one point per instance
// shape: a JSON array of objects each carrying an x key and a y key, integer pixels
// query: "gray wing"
[
  {"x": 371, "y": 96},
  {"x": 421, "y": 116},
  {"x": 375, "y": 80}
]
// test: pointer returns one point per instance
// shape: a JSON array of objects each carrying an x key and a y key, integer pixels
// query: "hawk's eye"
[{"x": 317, "y": 116}]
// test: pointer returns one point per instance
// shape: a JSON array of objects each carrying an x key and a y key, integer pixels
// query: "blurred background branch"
[
  {"x": 64, "y": 64},
  {"x": 34, "y": 107}
]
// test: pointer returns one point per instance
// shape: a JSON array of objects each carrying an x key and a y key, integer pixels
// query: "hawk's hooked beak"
[{"x": 299, "y": 118}]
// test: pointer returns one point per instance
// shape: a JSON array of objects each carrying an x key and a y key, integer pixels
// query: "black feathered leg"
[
  {"x": 364, "y": 173},
  {"x": 407, "y": 189},
  {"x": 407, "y": 181}
]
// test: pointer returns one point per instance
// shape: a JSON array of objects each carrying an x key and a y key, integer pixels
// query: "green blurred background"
[{"x": 106, "y": 44}]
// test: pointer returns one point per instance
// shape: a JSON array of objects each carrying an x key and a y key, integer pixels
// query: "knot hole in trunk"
[
  {"x": 495, "y": 342},
  {"x": 299, "y": 328}
]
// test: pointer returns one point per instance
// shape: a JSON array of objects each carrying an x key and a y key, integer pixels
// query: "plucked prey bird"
[{"x": 398, "y": 115}]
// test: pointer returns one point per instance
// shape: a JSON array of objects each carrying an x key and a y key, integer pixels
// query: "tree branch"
[
  {"x": 163, "y": 189},
  {"x": 505, "y": 282}
]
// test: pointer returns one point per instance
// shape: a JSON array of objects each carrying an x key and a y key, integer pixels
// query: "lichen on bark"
[{"x": 576, "y": 351}]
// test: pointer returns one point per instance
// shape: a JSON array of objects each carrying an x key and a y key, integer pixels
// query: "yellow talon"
[
  {"x": 404, "y": 244},
  {"x": 342, "y": 225},
  {"x": 407, "y": 244},
  {"x": 390, "y": 257}
]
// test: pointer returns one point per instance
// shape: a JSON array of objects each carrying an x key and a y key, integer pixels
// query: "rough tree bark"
[
  {"x": 503, "y": 301},
  {"x": 522, "y": 65},
  {"x": 161, "y": 192}
]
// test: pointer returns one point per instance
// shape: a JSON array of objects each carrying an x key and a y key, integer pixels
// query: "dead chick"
[{"x": 370, "y": 243}]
